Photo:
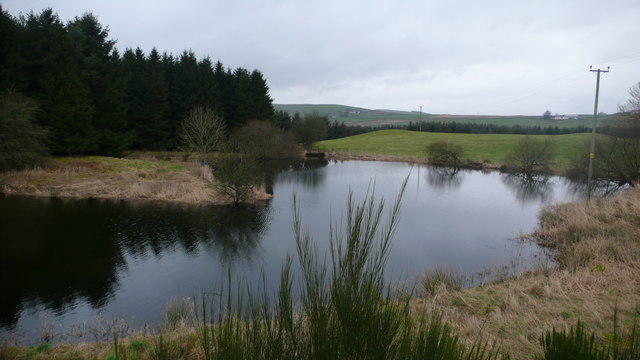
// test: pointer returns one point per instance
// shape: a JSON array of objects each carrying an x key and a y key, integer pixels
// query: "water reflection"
[
  {"x": 84, "y": 259},
  {"x": 299, "y": 172},
  {"x": 235, "y": 233},
  {"x": 599, "y": 188},
  {"x": 58, "y": 252},
  {"x": 444, "y": 177},
  {"x": 528, "y": 189}
]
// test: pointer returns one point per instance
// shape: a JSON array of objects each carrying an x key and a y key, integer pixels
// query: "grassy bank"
[
  {"x": 597, "y": 249},
  {"x": 478, "y": 147},
  {"x": 595, "y": 245},
  {"x": 143, "y": 178}
]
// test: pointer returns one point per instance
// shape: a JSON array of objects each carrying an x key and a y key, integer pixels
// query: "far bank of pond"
[
  {"x": 135, "y": 257},
  {"x": 477, "y": 148},
  {"x": 120, "y": 179}
]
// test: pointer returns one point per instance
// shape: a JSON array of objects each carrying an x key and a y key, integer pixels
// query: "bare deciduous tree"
[
  {"x": 444, "y": 153},
  {"x": 235, "y": 176},
  {"x": 312, "y": 128},
  {"x": 263, "y": 140},
  {"x": 201, "y": 131},
  {"x": 618, "y": 154},
  {"x": 531, "y": 156}
]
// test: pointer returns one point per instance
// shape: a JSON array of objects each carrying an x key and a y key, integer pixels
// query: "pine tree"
[
  {"x": 104, "y": 78},
  {"x": 52, "y": 69},
  {"x": 261, "y": 99},
  {"x": 241, "y": 100},
  {"x": 9, "y": 37},
  {"x": 147, "y": 97}
]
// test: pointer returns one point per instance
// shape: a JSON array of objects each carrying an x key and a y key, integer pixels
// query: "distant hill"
[
  {"x": 353, "y": 115},
  {"x": 329, "y": 110}
]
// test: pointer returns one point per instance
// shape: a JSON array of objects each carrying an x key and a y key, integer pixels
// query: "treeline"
[
  {"x": 336, "y": 129},
  {"x": 316, "y": 127},
  {"x": 94, "y": 100},
  {"x": 472, "y": 128}
]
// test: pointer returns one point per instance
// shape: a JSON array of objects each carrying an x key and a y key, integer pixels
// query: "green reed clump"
[
  {"x": 346, "y": 309},
  {"x": 578, "y": 343},
  {"x": 178, "y": 313},
  {"x": 573, "y": 344},
  {"x": 437, "y": 277},
  {"x": 162, "y": 349}
]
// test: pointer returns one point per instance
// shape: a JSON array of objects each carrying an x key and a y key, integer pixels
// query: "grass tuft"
[{"x": 435, "y": 278}]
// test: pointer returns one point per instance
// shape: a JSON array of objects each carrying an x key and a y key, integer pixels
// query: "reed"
[
  {"x": 346, "y": 309},
  {"x": 579, "y": 343},
  {"x": 437, "y": 277}
]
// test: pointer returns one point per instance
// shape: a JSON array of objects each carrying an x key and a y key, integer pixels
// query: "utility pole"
[
  {"x": 592, "y": 152},
  {"x": 420, "y": 126}
]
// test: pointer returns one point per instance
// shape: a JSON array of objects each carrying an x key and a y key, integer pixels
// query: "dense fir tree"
[
  {"x": 208, "y": 93},
  {"x": 104, "y": 78},
  {"x": 260, "y": 99},
  {"x": 51, "y": 64},
  {"x": 8, "y": 41},
  {"x": 242, "y": 100},
  {"x": 282, "y": 119},
  {"x": 147, "y": 99},
  {"x": 95, "y": 101}
]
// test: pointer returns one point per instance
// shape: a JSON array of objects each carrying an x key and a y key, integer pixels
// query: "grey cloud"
[{"x": 458, "y": 56}]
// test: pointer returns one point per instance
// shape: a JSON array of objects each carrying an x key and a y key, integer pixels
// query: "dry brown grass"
[
  {"x": 110, "y": 178},
  {"x": 597, "y": 247},
  {"x": 179, "y": 344}
]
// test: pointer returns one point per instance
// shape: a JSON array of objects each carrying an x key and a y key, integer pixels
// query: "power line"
[
  {"x": 620, "y": 58},
  {"x": 566, "y": 79}
]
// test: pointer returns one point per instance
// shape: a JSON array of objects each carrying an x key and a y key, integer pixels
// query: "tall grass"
[
  {"x": 346, "y": 309},
  {"x": 578, "y": 343},
  {"x": 437, "y": 277}
]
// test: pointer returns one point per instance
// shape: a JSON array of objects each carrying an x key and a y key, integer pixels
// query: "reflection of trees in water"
[
  {"x": 55, "y": 252},
  {"x": 52, "y": 253},
  {"x": 144, "y": 228},
  {"x": 299, "y": 172},
  {"x": 236, "y": 232},
  {"x": 599, "y": 188},
  {"x": 444, "y": 177},
  {"x": 529, "y": 188}
]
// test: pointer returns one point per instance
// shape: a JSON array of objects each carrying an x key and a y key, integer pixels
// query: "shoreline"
[
  {"x": 120, "y": 179},
  {"x": 485, "y": 166},
  {"x": 346, "y": 156}
]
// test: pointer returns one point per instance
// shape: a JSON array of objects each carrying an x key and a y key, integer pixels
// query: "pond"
[{"x": 72, "y": 268}]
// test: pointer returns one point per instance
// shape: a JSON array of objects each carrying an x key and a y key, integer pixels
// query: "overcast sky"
[{"x": 455, "y": 56}]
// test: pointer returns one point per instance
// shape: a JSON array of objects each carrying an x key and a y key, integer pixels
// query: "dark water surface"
[{"x": 74, "y": 266}]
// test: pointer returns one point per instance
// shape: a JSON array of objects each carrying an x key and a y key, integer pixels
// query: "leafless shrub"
[{"x": 201, "y": 131}]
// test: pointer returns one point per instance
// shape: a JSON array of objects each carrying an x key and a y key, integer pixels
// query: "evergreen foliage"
[
  {"x": 96, "y": 101},
  {"x": 21, "y": 141},
  {"x": 340, "y": 129}
]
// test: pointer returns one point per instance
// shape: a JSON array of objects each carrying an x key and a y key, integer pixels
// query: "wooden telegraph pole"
[{"x": 592, "y": 152}]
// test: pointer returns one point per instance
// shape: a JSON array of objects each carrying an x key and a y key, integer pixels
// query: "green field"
[
  {"x": 478, "y": 147},
  {"x": 329, "y": 110},
  {"x": 352, "y": 115}
]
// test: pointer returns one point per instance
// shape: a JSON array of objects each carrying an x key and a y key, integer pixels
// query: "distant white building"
[{"x": 558, "y": 117}]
